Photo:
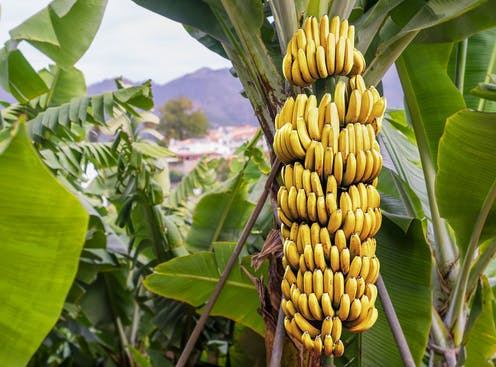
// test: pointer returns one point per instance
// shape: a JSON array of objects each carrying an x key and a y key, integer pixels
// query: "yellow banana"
[
  {"x": 328, "y": 283},
  {"x": 303, "y": 66},
  {"x": 337, "y": 328},
  {"x": 319, "y": 159},
  {"x": 345, "y": 203},
  {"x": 374, "y": 199},
  {"x": 366, "y": 106},
  {"x": 330, "y": 203},
  {"x": 333, "y": 118},
  {"x": 366, "y": 306},
  {"x": 344, "y": 143},
  {"x": 350, "y": 287},
  {"x": 325, "y": 240},
  {"x": 348, "y": 57},
  {"x": 349, "y": 223},
  {"x": 366, "y": 324},
  {"x": 377, "y": 163},
  {"x": 311, "y": 59},
  {"x": 374, "y": 270},
  {"x": 367, "y": 226},
  {"x": 340, "y": 55},
  {"x": 310, "y": 156},
  {"x": 286, "y": 67},
  {"x": 326, "y": 327},
  {"x": 319, "y": 258},
  {"x": 289, "y": 275},
  {"x": 377, "y": 124},
  {"x": 293, "y": 234},
  {"x": 296, "y": 74},
  {"x": 326, "y": 303},
  {"x": 312, "y": 207},
  {"x": 362, "y": 190},
  {"x": 299, "y": 108},
  {"x": 369, "y": 165},
  {"x": 344, "y": 307},
  {"x": 332, "y": 186},
  {"x": 351, "y": 137},
  {"x": 334, "y": 258},
  {"x": 354, "y": 196},
  {"x": 335, "y": 220},
  {"x": 378, "y": 221},
  {"x": 287, "y": 112},
  {"x": 338, "y": 168},
  {"x": 361, "y": 161},
  {"x": 304, "y": 235},
  {"x": 331, "y": 53},
  {"x": 311, "y": 104},
  {"x": 359, "y": 220},
  {"x": 328, "y": 161},
  {"x": 315, "y": 234},
  {"x": 355, "y": 245},
  {"x": 301, "y": 204},
  {"x": 371, "y": 292},
  {"x": 307, "y": 341},
  {"x": 313, "y": 123},
  {"x": 322, "y": 211},
  {"x": 303, "y": 265},
  {"x": 358, "y": 129},
  {"x": 295, "y": 294},
  {"x": 284, "y": 231},
  {"x": 301, "y": 129},
  {"x": 338, "y": 288},
  {"x": 340, "y": 99},
  {"x": 370, "y": 134},
  {"x": 378, "y": 109},
  {"x": 364, "y": 271},
  {"x": 344, "y": 260},
  {"x": 350, "y": 170},
  {"x": 307, "y": 181},
  {"x": 303, "y": 306},
  {"x": 323, "y": 30},
  {"x": 354, "y": 106},
  {"x": 340, "y": 239},
  {"x": 284, "y": 219},
  {"x": 318, "y": 346},
  {"x": 299, "y": 280},
  {"x": 314, "y": 306},
  {"x": 358, "y": 63},
  {"x": 291, "y": 253},
  {"x": 285, "y": 289},
  {"x": 308, "y": 282},
  {"x": 360, "y": 287},
  {"x": 297, "y": 175},
  {"x": 290, "y": 308},
  {"x": 355, "y": 267},
  {"x": 318, "y": 282},
  {"x": 320, "y": 56},
  {"x": 326, "y": 130},
  {"x": 308, "y": 256},
  {"x": 301, "y": 39},
  {"x": 328, "y": 344},
  {"x": 334, "y": 28},
  {"x": 307, "y": 28},
  {"x": 291, "y": 200},
  {"x": 304, "y": 325},
  {"x": 288, "y": 175}
]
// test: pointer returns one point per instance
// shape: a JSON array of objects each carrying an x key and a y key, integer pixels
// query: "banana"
[
  {"x": 287, "y": 112},
  {"x": 301, "y": 204},
  {"x": 315, "y": 234},
  {"x": 308, "y": 256},
  {"x": 366, "y": 106},
  {"x": 374, "y": 270},
  {"x": 328, "y": 161},
  {"x": 345, "y": 203},
  {"x": 371, "y": 214},
  {"x": 318, "y": 346},
  {"x": 377, "y": 124},
  {"x": 338, "y": 349},
  {"x": 324, "y": 30},
  {"x": 284, "y": 219},
  {"x": 299, "y": 108},
  {"x": 361, "y": 161},
  {"x": 319, "y": 257},
  {"x": 295, "y": 294},
  {"x": 301, "y": 262},
  {"x": 326, "y": 327},
  {"x": 358, "y": 63},
  {"x": 340, "y": 239},
  {"x": 319, "y": 159},
  {"x": 364, "y": 271},
  {"x": 303, "y": 66},
  {"x": 378, "y": 109},
  {"x": 311, "y": 104},
  {"x": 344, "y": 260},
  {"x": 328, "y": 344},
  {"x": 289, "y": 328},
  {"x": 318, "y": 282},
  {"x": 369, "y": 165},
  {"x": 291, "y": 253},
  {"x": 308, "y": 282},
  {"x": 355, "y": 267},
  {"x": 350, "y": 287},
  {"x": 311, "y": 59},
  {"x": 289, "y": 275},
  {"x": 344, "y": 307},
  {"x": 307, "y": 28},
  {"x": 340, "y": 99},
  {"x": 307, "y": 181},
  {"x": 297, "y": 175},
  {"x": 326, "y": 130},
  {"x": 343, "y": 28},
  {"x": 313, "y": 123},
  {"x": 338, "y": 288},
  {"x": 291, "y": 200},
  {"x": 377, "y": 163},
  {"x": 334, "y": 259},
  {"x": 330, "y": 203},
  {"x": 328, "y": 283},
  {"x": 325, "y": 240},
  {"x": 340, "y": 54},
  {"x": 321, "y": 211},
  {"x": 333, "y": 118},
  {"x": 286, "y": 67},
  {"x": 284, "y": 231},
  {"x": 367, "y": 323},
  {"x": 285, "y": 289},
  {"x": 307, "y": 341},
  {"x": 374, "y": 199},
  {"x": 304, "y": 325},
  {"x": 290, "y": 308},
  {"x": 362, "y": 190},
  {"x": 326, "y": 303},
  {"x": 293, "y": 232},
  {"x": 295, "y": 330},
  {"x": 314, "y": 306},
  {"x": 359, "y": 220},
  {"x": 349, "y": 223},
  {"x": 344, "y": 143},
  {"x": 354, "y": 105},
  {"x": 303, "y": 306},
  {"x": 371, "y": 292},
  {"x": 351, "y": 34},
  {"x": 332, "y": 186},
  {"x": 338, "y": 168},
  {"x": 303, "y": 136},
  {"x": 350, "y": 170},
  {"x": 358, "y": 129},
  {"x": 296, "y": 74},
  {"x": 304, "y": 235},
  {"x": 367, "y": 225},
  {"x": 335, "y": 26},
  {"x": 331, "y": 53},
  {"x": 354, "y": 196},
  {"x": 378, "y": 221},
  {"x": 360, "y": 287},
  {"x": 337, "y": 328},
  {"x": 299, "y": 280},
  {"x": 310, "y": 156},
  {"x": 355, "y": 245},
  {"x": 335, "y": 220},
  {"x": 348, "y": 57},
  {"x": 351, "y": 136},
  {"x": 284, "y": 261},
  {"x": 287, "y": 174},
  {"x": 355, "y": 310},
  {"x": 366, "y": 306},
  {"x": 370, "y": 136},
  {"x": 320, "y": 56},
  {"x": 312, "y": 207},
  {"x": 301, "y": 39}
]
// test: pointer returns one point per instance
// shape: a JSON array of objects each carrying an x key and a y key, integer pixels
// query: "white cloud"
[{"x": 132, "y": 42}]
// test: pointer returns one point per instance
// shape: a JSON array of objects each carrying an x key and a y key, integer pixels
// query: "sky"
[{"x": 131, "y": 42}]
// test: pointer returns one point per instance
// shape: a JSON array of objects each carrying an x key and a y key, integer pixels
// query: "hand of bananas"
[{"x": 328, "y": 203}]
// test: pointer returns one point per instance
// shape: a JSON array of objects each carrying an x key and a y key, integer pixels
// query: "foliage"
[{"x": 180, "y": 121}]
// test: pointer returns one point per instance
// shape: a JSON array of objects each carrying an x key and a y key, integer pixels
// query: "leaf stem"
[
  {"x": 394, "y": 323},
  {"x": 454, "y": 316},
  {"x": 229, "y": 266},
  {"x": 490, "y": 68},
  {"x": 278, "y": 345},
  {"x": 440, "y": 336},
  {"x": 284, "y": 13},
  {"x": 461, "y": 61},
  {"x": 480, "y": 265}
]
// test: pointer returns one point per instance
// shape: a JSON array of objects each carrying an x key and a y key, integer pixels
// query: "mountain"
[{"x": 216, "y": 92}]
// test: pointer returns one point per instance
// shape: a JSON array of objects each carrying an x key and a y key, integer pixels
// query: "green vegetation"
[{"x": 148, "y": 257}]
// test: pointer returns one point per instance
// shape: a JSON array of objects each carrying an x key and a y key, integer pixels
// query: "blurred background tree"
[{"x": 181, "y": 121}]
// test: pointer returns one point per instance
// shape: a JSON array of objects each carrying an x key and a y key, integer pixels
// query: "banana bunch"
[
  {"x": 328, "y": 204},
  {"x": 320, "y": 49}
]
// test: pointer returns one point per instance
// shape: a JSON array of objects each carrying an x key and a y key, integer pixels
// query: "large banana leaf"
[
  {"x": 63, "y": 30},
  {"x": 192, "y": 279},
  {"x": 42, "y": 230},
  {"x": 467, "y": 169},
  {"x": 430, "y": 94}
]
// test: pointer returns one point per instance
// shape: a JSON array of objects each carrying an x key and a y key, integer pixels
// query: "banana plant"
[{"x": 437, "y": 277}]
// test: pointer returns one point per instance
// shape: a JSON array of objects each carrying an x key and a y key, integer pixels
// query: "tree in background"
[{"x": 180, "y": 121}]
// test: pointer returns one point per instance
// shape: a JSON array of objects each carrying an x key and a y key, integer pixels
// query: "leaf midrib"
[{"x": 207, "y": 279}]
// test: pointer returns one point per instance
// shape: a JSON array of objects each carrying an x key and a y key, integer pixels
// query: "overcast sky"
[{"x": 131, "y": 42}]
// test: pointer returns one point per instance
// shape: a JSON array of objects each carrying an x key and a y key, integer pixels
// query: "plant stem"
[
  {"x": 342, "y": 8},
  {"x": 227, "y": 270},
  {"x": 441, "y": 337},
  {"x": 461, "y": 61},
  {"x": 455, "y": 316},
  {"x": 284, "y": 13},
  {"x": 394, "y": 323},
  {"x": 490, "y": 68},
  {"x": 480, "y": 265},
  {"x": 278, "y": 346}
]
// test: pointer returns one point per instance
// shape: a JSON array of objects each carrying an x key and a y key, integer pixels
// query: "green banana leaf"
[
  {"x": 430, "y": 95},
  {"x": 63, "y": 30},
  {"x": 43, "y": 229},
  {"x": 481, "y": 345},
  {"x": 192, "y": 279},
  {"x": 467, "y": 170},
  {"x": 220, "y": 215},
  {"x": 406, "y": 269},
  {"x": 67, "y": 83}
]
